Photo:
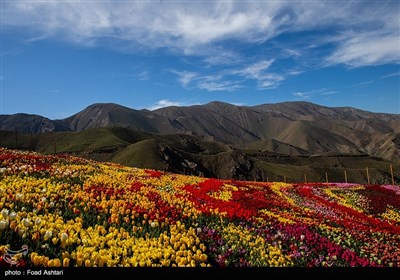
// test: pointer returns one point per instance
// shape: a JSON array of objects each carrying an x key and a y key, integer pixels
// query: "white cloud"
[
  {"x": 310, "y": 93},
  {"x": 185, "y": 77},
  {"x": 367, "y": 49},
  {"x": 363, "y": 84},
  {"x": 292, "y": 52},
  {"x": 329, "y": 92},
  {"x": 238, "y": 103},
  {"x": 369, "y": 31},
  {"x": 217, "y": 85},
  {"x": 207, "y": 82},
  {"x": 214, "y": 82},
  {"x": 184, "y": 26},
  {"x": 390, "y": 75},
  {"x": 223, "y": 57},
  {"x": 294, "y": 72},
  {"x": 167, "y": 103},
  {"x": 143, "y": 76},
  {"x": 270, "y": 81},
  {"x": 258, "y": 71},
  {"x": 232, "y": 79},
  {"x": 303, "y": 95},
  {"x": 164, "y": 103}
]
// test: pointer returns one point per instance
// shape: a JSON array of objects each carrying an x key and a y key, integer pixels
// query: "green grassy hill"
[{"x": 267, "y": 160}]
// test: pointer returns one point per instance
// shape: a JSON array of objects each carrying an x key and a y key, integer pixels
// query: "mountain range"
[
  {"x": 198, "y": 137},
  {"x": 304, "y": 125}
]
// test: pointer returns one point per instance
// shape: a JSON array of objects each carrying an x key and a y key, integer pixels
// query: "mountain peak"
[
  {"x": 106, "y": 106},
  {"x": 218, "y": 103}
]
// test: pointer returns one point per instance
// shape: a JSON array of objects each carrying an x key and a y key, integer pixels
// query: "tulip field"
[{"x": 64, "y": 211}]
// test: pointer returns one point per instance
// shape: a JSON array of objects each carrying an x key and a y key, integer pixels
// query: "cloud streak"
[
  {"x": 310, "y": 93},
  {"x": 185, "y": 78},
  {"x": 363, "y": 84},
  {"x": 143, "y": 76},
  {"x": 302, "y": 95},
  {"x": 232, "y": 79},
  {"x": 215, "y": 82},
  {"x": 259, "y": 71},
  {"x": 367, "y": 49},
  {"x": 212, "y": 84},
  {"x": 390, "y": 75}
]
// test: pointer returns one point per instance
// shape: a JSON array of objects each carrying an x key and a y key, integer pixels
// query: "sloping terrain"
[
  {"x": 187, "y": 154},
  {"x": 64, "y": 211},
  {"x": 302, "y": 125}
]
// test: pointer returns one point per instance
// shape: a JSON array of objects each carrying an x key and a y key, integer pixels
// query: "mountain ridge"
[{"x": 304, "y": 125}]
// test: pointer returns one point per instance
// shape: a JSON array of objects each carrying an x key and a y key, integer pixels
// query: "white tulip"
[
  {"x": 64, "y": 237},
  {"x": 4, "y": 213},
  {"x": 48, "y": 234},
  {"x": 3, "y": 224},
  {"x": 12, "y": 215},
  {"x": 26, "y": 222}
]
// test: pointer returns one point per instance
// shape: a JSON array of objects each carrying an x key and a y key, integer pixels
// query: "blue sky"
[{"x": 58, "y": 57}]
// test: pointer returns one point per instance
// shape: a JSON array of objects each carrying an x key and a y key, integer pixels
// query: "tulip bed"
[{"x": 70, "y": 212}]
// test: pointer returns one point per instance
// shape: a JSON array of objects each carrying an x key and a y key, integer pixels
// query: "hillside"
[
  {"x": 307, "y": 126},
  {"x": 193, "y": 155}
]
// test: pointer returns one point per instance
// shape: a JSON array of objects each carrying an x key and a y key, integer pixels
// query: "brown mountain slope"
[
  {"x": 307, "y": 126},
  {"x": 30, "y": 123},
  {"x": 186, "y": 154}
]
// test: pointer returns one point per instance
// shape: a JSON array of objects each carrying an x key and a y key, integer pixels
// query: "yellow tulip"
[{"x": 57, "y": 263}]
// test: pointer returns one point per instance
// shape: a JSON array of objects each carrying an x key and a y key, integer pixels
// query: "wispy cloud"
[
  {"x": 223, "y": 57},
  {"x": 215, "y": 82},
  {"x": 369, "y": 31},
  {"x": 270, "y": 81},
  {"x": 329, "y": 92},
  {"x": 164, "y": 103},
  {"x": 258, "y": 71},
  {"x": 238, "y": 104},
  {"x": 310, "y": 93},
  {"x": 212, "y": 84},
  {"x": 185, "y": 77},
  {"x": 303, "y": 95},
  {"x": 37, "y": 38},
  {"x": 291, "y": 52},
  {"x": 394, "y": 74},
  {"x": 363, "y": 84},
  {"x": 367, "y": 49},
  {"x": 143, "y": 76},
  {"x": 232, "y": 79},
  {"x": 167, "y": 103},
  {"x": 294, "y": 72}
]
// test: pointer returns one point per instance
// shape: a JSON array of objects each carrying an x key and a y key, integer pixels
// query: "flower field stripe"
[{"x": 64, "y": 211}]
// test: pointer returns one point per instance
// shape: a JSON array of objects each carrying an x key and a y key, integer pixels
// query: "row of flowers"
[{"x": 67, "y": 211}]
